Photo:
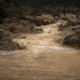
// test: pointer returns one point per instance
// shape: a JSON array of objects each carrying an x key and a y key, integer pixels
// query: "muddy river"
[{"x": 45, "y": 59}]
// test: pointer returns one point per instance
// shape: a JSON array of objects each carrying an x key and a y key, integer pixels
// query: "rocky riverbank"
[
  {"x": 11, "y": 27},
  {"x": 70, "y": 32},
  {"x": 68, "y": 24},
  {"x": 16, "y": 24}
]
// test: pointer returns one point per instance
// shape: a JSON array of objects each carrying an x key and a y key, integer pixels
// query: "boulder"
[
  {"x": 37, "y": 21},
  {"x": 7, "y": 44},
  {"x": 76, "y": 28},
  {"x": 14, "y": 18},
  {"x": 27, "y": 17},
  {"x": 46, "y": 19},
  {"x": 56, "y": 14},
  {"x": 72, "y": 40},
  {"x": 12, "y": 29},
  {"x": 17, "y": 26},
  {"x": 68, "y": 17}
]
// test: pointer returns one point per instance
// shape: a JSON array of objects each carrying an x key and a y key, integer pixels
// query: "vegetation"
[
  {"x": 32, "y": 5},
  {"x": 39, "y": 3},
  {"x": 3, "y": 13},
  {"x": 7, "y": 1}
]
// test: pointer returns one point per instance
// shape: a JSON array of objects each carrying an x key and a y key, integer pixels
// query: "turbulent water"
[{"x": 45, "y": 59}]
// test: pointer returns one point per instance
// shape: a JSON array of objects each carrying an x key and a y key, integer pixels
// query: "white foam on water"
[
  {"x": 7, "y": 52},
  {"x": 38, "y": 78},
  {"x": 50, "y": 29},
  {"x": 58, "y": 48},
  {"x": 37, "y": 49},
  {"x": 43, "y": 42}
]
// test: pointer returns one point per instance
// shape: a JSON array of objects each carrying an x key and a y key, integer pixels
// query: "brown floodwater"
[{"x": 45, "y": 59}]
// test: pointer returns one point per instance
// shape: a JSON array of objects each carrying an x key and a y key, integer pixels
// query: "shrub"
[
  {"x": 0, "y": 4},
  {"x": 7, "y": 1},
  {"x": 3, "y": 14}
]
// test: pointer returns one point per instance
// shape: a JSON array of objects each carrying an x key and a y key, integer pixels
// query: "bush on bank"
[{"x": 3, "y": 14}]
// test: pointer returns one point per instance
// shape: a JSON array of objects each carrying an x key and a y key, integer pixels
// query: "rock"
[
  {"x": 23, "y": 37},
  {"x": 38, "y": 14},
  {"x": 56, "y": 18},
  {"x": 77, "y": 22},
  {"x": 14, "y": 18},
  {"x": 72, "y": 40},
  {"x": 46, "y": 19},
  {"x": 24, "y": 47},
  {"x": 26, "y": 17},
  {"x": 6, "y": 19},
  {"x": 7, "y": 44},
  {"x": 45, "y": 22},
  {"x": 10, "y": 46},
  {"x": 61, "y": 24},
  {"x": 12, "y": 29},
  {"x": 70, "y": 33},
  {"x": 49, "y": 32},
  {"x": 18, "y": 26},
  {"x": 68, "y": 17},
  {"x": 1, "y": 34},
  {"x": 39, "y": 29},
  {"x": 37, "y": 22},
  {"x": 77, "y": 27},
  {"x": 20, "y": 17},
  {"x": 56, "y": 14}
]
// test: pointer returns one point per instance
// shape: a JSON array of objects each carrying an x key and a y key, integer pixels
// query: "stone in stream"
[
  {"x": 70, "y": 33},
  {"x": 72, "y": 40},
  {"x": 36, "y": 21},
  {"x": 42, "y": 20},
  {"x": 23, "y": 37},
  {"x": 46, "y": 19},
  {"x": 49, "y": 32},
  {"x": 7, "y": 44}
]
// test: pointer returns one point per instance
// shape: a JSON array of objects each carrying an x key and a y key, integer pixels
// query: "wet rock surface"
[
  {"x": 17, "y": 26},
  {"x": 70, "y": 32},
  {"x": 6, "y": 43},
  {"x": 72, "y": 40},
  {"x": 42, "y": 20},
  {"x": 13, "y": 27},
  {"x": 68, "y": 24},
  {"x": 38, "y": 20}
]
